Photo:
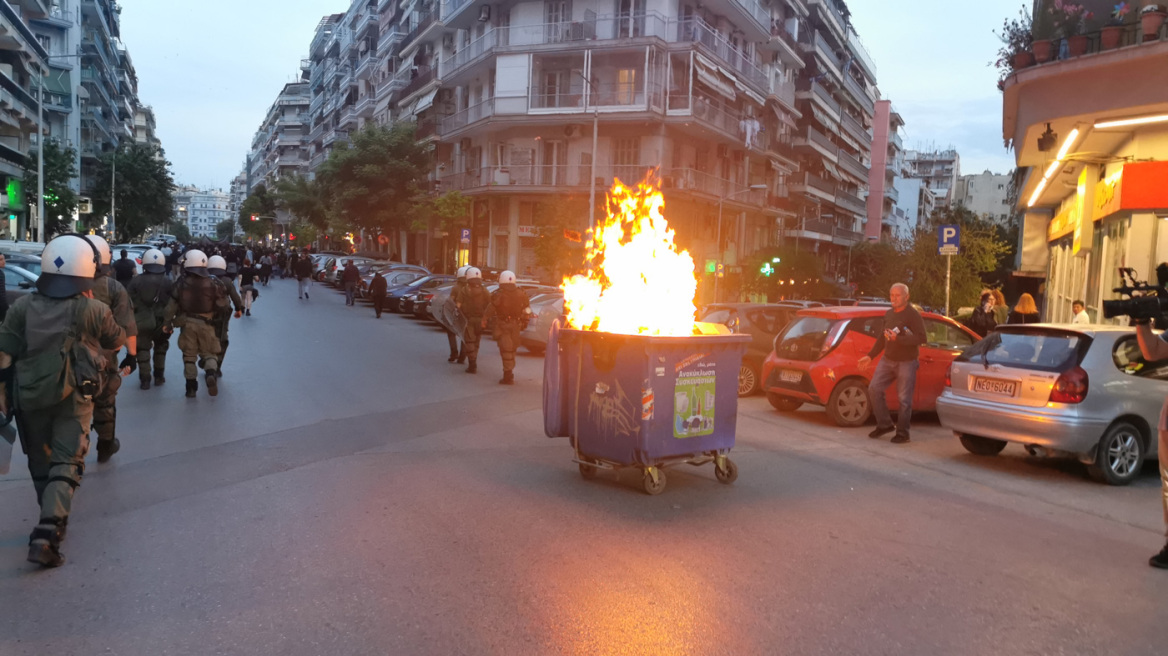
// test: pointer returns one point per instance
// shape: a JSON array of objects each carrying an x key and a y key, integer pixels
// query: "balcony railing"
[
  {"x": 891, "y": 193},
  {"x": 813, "y": 136},
  {"x": 9, "y": 13},
  {"x": 424, "y": 76},
  {"x": 858, "y": 93},
  {"x": 784, "y": 91},
  {"x": 755, "y": 10},
  {"x": 424, "y": 21},
  {"x": 856, "y": 129},
  {"x": 551, "y": 176},
  {"x": 473, "y": 51},
  {"x": 823, "y": 94},
  {"x": 707, "y": 183},
  {"x": 592, "y": 28},
  {"x": 849, "y": 201},
  {"x": 746, "y": 130},
  {"x": 468, "y": 116},
  {"x": 630, "y": 96},
  {"x": 853, "y": 166},
  {"x": 22, "y": 96},
  {"x": 698, "y": 31}
]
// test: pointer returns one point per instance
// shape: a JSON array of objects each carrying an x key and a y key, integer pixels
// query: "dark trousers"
[
  {"x": 161, "y": 344},
  {"x": 905, "y": 375},
  {"x": 474, "y": 333},
  {"x": 105, "y": 408},
  {"x": 378, "y": 304}
]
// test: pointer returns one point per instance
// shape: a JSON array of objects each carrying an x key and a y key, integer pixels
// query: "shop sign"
[
  {"x": 1084, "y": 206},
  {"x": 1108, "y": 193},
  {"x": 1063, "y": 222},
  {"x": 528, "y": 231},
  {"x": 1138, "y": 187}
]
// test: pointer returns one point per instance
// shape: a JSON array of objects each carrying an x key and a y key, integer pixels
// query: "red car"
[{"x": 815, "y": 358}]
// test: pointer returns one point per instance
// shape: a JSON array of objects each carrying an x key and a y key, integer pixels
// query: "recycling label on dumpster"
[{"x": 693, "y": 397}]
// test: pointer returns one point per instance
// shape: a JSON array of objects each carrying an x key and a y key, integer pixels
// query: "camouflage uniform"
[
  {"x": 105, "y": 410},
  {"x": 511, "y": 309},
  {"x": 149, "y": 293}
]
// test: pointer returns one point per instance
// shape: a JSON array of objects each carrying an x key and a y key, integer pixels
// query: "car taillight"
[
  {"x": 426, "y": 297},
  {"x": 949, "y": 375},
  {"x": 833, "y": 337},
  {"x": 1071, "y": 387}
]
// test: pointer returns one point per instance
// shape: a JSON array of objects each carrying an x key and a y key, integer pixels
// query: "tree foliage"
[
  {"x": 225, "y": 229},
  {"x": 60, "y": 199},
  {"x": 144, "y": 190},
  {"x": 559, "y": 249},
  {"x": 981, "y": 248},
  {"x": 262, "y": 205},
  {"x": 180, "y": 231},
  {"x": 797, "y": 275},
  {"x": 305, "y": 199}
]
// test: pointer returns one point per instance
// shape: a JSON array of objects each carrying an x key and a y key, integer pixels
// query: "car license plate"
[
  {"x": 995, "y": 386},
  {"x": 789, "y": 376}
]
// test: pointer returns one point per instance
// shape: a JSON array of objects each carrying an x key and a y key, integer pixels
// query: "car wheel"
[
  {"x": 848, "y": 404},
  {"x": 537, "y": 349},
  {"x": 1119, "y": 456},
  {"x": 747, "y": 380},
  {"x": 982, "y": 446},
  {"x": 783, "y": 403}
]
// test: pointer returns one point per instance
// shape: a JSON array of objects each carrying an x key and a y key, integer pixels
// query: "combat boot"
[
  {"x": 107, "y": 448},
  {"x": 44, "y": 545},
  {"x": 158, "y": 377},
  {"x": 144, "y": 381},
  {"x": 472, "y": 367},
  {"x": 212, "y": 383},
  {"x": 192, "y": 388},
  {"x": 508, "y": 378}
]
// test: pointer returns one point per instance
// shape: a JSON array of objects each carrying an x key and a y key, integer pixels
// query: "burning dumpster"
[{"x": 632, "y": 379}]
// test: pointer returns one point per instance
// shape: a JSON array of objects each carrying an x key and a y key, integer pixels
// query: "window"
[
  {"x": 626, "y": 86},
  {"x": 942, "y": 335},
  {"x": 1129, "y": 360},
  {"x": 630, "y": 18},
  {"x": 627, "y": 159},
  {"x": 46, "y": 42}
]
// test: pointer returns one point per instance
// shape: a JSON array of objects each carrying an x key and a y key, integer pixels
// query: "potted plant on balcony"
[
  {"x": 1015, "y": 53},
  {"x": 1112, "y": 33},
  {"x": 1151, "y": 20},
  {"x": 1071, "y": 19}
]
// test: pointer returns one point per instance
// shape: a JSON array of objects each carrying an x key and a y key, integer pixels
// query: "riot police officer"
[
  {"x": 194, "y": 301},
  {"x": 105, "y": 410},
  {"x": 511, "y": 309},
  {"x": 457, "y": 353},
  {"x": 473, "y": 304},
  {"x": 149, "y": 294},
  {"x": 42, "y": 332},
  {"x": 217, "y": 266}
]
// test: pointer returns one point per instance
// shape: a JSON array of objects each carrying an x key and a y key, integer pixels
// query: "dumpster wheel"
[
  {"x": 727, "y": 475},
  {"x": 653, "y": 480},
  {"x": 587, "y": 471}
]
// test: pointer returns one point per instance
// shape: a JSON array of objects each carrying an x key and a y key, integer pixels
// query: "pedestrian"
[
  {"x": 457, "y": 352},
  {"x": 105, "y": 411},
  {"x": 247, "y": 278},
  {"x": 473, "y": 305},
  {"x": 193, "y": 304},
  {"x": 265, "y": 269},
  {"x": 1154, "y": 349},
  {"x": 172, "y": 260},
  {"x": 378, "y": 287},
  {"x": 282, "y": 264},
  {"x": 511, "y": 309},
  {"x": 1025, "y": 311},
  {"x": 217, "y": 266},
  {"x": 232, "y": 257},
  {"x": 125, "y": 268},
  {"x": 3, "y": 285},
  {"x": 61, "y": 328},
  {"x": 983, "y": 321},
  {"x": 904, "y": 332},
  {"x": 1001, "y": 307},
  {"x": 350, "y": 276},
  {"x": 304, "y": 275},
  {"x": 149, "y": 294},
  {"x": 1079, "y": 310}
]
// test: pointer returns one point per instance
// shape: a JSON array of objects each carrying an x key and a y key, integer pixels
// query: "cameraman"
[{"x": 1155, "y": 348}]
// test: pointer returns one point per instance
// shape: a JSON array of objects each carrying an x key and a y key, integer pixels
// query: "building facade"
[
  {"x": 986, "y": 195},
  {"x": 278, "y": 148},
  {"x": 888, "y": 165},
  {"x": 145, "y": 127},
  {"x": 22, "y": 56},
  {"x": 939, "y": 169},
  {"x": 202, "y": 210},
  {"x": 1090, "y": 133}
]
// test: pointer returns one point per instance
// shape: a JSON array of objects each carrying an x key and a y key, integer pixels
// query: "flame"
[{"x": 637, "y": 282}]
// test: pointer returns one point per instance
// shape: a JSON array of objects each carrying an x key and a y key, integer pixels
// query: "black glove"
[{"x": 130, "y": 361}]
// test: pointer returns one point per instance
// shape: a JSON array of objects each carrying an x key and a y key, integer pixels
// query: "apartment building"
[
  {"x": 885, "y": 223},
  {"x": 939, "y": 169},
  {"x": 279, "y": 147},
  {"x": 145, "y": 127},
  {"x": 91, "y": 88},
  {"x": 202, "y": 210},
  {"x": 21, "y": 57},
  {"x": 915, "y": 203},
  {"x": 987, "y": 195},
  {"x": 836, "y": 96}
]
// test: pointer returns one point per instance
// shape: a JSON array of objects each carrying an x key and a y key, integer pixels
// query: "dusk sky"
[{"x": 211, "y": 70}]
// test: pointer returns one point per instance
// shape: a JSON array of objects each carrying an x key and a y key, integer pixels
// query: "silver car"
[{"x": 1081, "y": 391}]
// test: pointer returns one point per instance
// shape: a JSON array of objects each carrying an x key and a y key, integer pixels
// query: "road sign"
[
  {"x": 464, "y": 236},
  {"x": 948, "y": 239}
]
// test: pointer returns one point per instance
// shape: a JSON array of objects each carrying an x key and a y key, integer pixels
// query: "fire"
[{"x": 637, "y": 283}]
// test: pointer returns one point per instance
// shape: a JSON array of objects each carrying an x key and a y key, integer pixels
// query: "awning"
[
  {"x": 707, "y": 74},
  {"x": 748, "y": 93},
  {"x": 823, "y": 117},
  {"x": 784, "y": 117},
  {"x": 843, "y": 134},
  {"x": 424, "y": 102},
  {"x": 832, "y": 170},
  {"x": 57, "y": 81}
]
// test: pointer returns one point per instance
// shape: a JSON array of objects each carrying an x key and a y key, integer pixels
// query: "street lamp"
[
  {"x": 595, "y": 155},
  {"x": 718, "y": 241}
]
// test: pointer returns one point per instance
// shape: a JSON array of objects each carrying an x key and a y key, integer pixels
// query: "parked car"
[
  {"x": 19, "y": 281},
  {"x": 422, "y": 299},
  {"x": 396, "y": 275},
  {"x": 815, "y": 361},
  {"x": 334, "y": 265},
  {"x": 1081, "y": 391},
  {"x": 762, "y": 321},
  {"x": 395, "y": 294},
  {"x": 535, "y": 336},
  {"x": 29, "y": 263}
]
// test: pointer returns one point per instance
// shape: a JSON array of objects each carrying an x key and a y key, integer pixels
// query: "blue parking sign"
[
  {"x": 948, "y": 239},
  {"x": 464, "y": 236}
]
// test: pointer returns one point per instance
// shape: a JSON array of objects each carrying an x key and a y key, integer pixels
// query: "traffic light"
[
  {"x": 721, "y": 270},
  {"x": 254, "y": 217}
]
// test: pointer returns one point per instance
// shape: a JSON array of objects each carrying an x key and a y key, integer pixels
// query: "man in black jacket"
[
  {"x": 124, "y": 268},
  {"x": 904, "y": 332},
  {"x": 304, "y": 274},
  {"x": 378, "y": 287}
]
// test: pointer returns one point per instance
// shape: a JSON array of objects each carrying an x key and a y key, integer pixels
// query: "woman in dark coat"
[
  {"x": 983, "y": 321},
  {"x": 1026, "y": 311}
]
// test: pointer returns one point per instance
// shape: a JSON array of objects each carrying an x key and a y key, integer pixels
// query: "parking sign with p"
[{"x": 948, "y": 239}]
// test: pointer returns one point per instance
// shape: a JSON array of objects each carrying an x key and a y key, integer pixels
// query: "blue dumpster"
[{"x": 644, "y": 401}]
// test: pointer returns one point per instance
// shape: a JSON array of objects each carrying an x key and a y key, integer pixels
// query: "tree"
[
  {"x": 373, "y": 182},
  {"x": 981, "y": 248},
  {"x": 559, "y": 249},
  {"x": 798, "y": 274},
  {"x": 180, "y": 231},
  {"x": 446, "y": 213},
  {"x": 60, "y": 200},
  {"x": 303, "y": 233},
  {"x": 225, "y": 229},
  {"x": 306, "y": 200},
  {"x": 877, "y": 266},
  {"x": 261, "y": 205},
  {"x": 144, "y": 189}
]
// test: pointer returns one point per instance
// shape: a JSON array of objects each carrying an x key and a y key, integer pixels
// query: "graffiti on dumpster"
[
  {"x": 693, "y": 400},
  {"x": 612, "y": 411}
]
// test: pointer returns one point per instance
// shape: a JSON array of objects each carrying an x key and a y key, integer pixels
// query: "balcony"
[
  {"x": 425, "y": 75},
  {"x": 13, "y": 156},
  {"x": 785, "y": 92},
  {"x": 364, "y": 106},
  {"x": 812, "y": 138},
  {"x": 706, "y": 183},
  {"x": 830, "y": 15},
  {"x": 856, "y": 129},
  {"x": 424, "y": 22},
  {"x": 348, "y": 117},
  {"x": 849, "y": 201},
  {"x": 368, "y": 19},
  {"x": 859, "y": 95},
  {"x": 8, "y": 14},
  {"x": 365, "y": 64},
  {"x": 698, "y": 31},
  {"x": 809, "y": 183},
  {"x": 730, "y": 123},
  {"x": 817, "y": 44},
  {"x": 467, "y": 117},
  {"x": 812, "y": 90},
  {"x": 17, "y": 98},
  {"x": 96, "y": 9},
  {"x": 853, "y": 166},
  {"x": 473, "y": 52},
  {"x": 620, "y": 96},
  {"x": 891, "y": 193},
  {"x": 846, "y": 237}
]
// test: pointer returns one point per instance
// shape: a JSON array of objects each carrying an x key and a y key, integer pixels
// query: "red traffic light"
[{"x": 254, "y": 217}]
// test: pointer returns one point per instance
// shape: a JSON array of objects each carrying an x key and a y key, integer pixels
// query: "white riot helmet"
[
  {"x": 506, "y": 277},
  {"x": 217, "y": 266},
  {"x": 473, "y": 273},
  {"x": 195, "y": 263},
  {"x": 153, "y": 261},
  {"x": 462, "y": 271},
  {"x": 103, "y": 250},
  {"x": 68, "y": 265}
]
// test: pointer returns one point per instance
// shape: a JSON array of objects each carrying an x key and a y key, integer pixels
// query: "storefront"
[{"x": 1117, "y": 218}]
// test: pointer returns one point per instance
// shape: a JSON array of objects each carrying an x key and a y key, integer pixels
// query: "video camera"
[{"x": 1144, "y": 301}]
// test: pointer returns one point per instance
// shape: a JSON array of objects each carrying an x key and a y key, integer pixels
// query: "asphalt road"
[{"x": 349, "y": 492}]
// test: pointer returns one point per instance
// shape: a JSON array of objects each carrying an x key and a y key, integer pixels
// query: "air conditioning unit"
[
  {"x": 485, "y": 13},
  {"x": 448, "y": 41},
  {"x": 573, "y": 131}
]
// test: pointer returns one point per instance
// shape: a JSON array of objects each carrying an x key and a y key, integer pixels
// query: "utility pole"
[
  {"x": 40, "y": 156},
  {"x": 114, "y": 198},
  {"x": 592, "y": 98}
]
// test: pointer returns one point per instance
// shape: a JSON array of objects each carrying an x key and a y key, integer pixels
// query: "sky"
[{"x": 212, "y": 69}]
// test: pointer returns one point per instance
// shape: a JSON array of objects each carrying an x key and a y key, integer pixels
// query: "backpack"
[{"x": 48, "y": 377}]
